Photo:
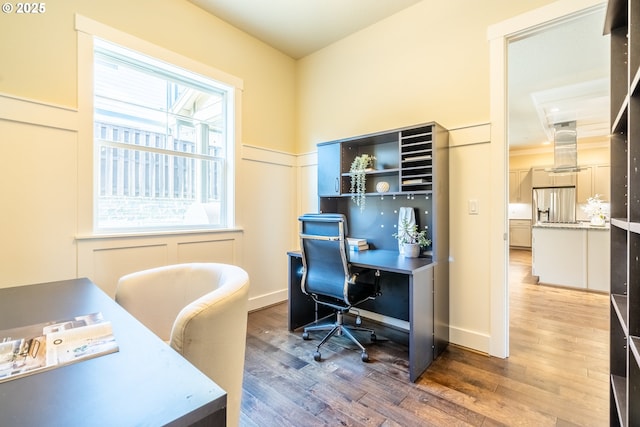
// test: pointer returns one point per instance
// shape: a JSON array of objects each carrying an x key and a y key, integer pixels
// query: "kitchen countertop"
[{"x": 581, "y": 225}]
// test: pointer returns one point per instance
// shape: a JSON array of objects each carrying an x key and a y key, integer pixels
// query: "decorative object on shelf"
[
  {"x": 406, "y": 217},
  {"x": 358, "y": 173},
  {"x": 596, "y": 210},
  {"x": 382, "y": 187},
  {"x": 411, "y": 239}
]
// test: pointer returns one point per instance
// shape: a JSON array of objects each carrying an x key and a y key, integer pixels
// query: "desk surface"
[
  {"x": 145, "y": 383},
  {"x": 407, "y": 293},
  {"x": 385, "y": 260}
]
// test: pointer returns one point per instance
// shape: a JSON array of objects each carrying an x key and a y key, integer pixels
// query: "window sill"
[{"x": 155, "y": 233}]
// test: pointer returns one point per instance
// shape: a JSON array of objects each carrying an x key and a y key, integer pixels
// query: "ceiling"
[
  {"x": 301, "y": 27},
  {"x": 556, "y": 73},
  {"x": 559, "y": 73}
]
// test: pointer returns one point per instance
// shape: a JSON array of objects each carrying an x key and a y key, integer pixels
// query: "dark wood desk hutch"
[
  {"x": 414, "y": 162},
  {"x": 623, "y": 25}
]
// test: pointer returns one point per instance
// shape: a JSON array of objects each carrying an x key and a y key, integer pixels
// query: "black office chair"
[{"x": 328, "y": 277}]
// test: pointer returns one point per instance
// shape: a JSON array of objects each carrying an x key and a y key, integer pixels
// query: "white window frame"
[{"x": 87, "y": 30}]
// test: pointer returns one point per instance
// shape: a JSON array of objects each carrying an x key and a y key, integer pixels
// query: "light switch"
[{"x": 473, "y": 207}]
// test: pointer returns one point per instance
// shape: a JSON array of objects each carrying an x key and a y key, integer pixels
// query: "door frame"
[{"x": 499, "y": 35}]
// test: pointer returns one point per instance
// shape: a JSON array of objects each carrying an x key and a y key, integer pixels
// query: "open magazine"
[{"x": 30, "y": 349}]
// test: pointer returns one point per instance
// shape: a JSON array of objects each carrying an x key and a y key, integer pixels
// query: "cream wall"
[
  {"x": 428, "y": 62},
  {"x": 45, "y": 179}
]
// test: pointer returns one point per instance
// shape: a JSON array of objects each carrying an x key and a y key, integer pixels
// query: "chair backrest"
[
  {"x": 156, "y": 296},
  {"x": 325, "y": 256},
  {"x": 201, "y": 309}
]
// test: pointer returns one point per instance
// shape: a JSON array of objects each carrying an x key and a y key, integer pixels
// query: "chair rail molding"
[{"x": 37, "y": 113}]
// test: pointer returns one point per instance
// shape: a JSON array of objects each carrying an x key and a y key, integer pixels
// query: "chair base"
[{"x": 339, "y": 328}]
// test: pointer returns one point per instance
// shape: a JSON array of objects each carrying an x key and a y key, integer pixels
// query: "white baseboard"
[
  {"x": 266, "y": 300},
  {"x": 386, "y": 320},
  {"x": 462, "y": 337},
  {"x": 469, "y": 339}
]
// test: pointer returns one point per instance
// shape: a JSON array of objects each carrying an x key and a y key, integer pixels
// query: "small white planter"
[{"x": 411, "y": 250}]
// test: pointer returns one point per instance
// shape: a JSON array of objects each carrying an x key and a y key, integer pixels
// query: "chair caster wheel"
[
  {"x": 374, "y": 338},
  {"x": 365, "y": 356},
  {"x": 316, "y": 356},
  {"x": 305, "y": 336}
]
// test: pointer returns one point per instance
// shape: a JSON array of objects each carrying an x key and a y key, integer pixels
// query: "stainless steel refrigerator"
[{"x": 554, "y": 204}]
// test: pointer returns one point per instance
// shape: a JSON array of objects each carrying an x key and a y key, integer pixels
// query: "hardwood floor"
[{"x": 556, "y": 375}]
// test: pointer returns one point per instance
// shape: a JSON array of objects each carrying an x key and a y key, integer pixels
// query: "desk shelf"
[
  {"x": 414, "y": 161},
  {"x": 405, "y": 159}
]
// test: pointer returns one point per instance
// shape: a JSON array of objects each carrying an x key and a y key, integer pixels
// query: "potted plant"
[
  {"x": 411, "y": 239},
  {"x": 358, "y": 174},
  {"x": 596, "y": 210}
]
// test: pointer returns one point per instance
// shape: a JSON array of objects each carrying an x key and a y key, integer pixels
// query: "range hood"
[{"x": 565, "y": 149}]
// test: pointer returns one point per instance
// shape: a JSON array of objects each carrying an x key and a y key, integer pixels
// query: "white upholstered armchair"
[{"x": 201, "y": 310}]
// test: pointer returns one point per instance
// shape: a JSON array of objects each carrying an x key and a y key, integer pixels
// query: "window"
[{"x": 162, "y": 141}]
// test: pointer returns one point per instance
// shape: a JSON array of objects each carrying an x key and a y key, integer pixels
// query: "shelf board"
[
  {"x": 620, "y": 223},
  {"x": 378, "y": 172},
  {"x": 619, "y": 387},
  {"x": 414, "y": 184},
  {"x": 634, "y": 227},
  {"x": 616, "y": 16},
  {"x": 633, "y": 89},
  {"x": 620, "y": 122},
  {"x": 417, "y": 157},
  {"x": 417, "y": 135},
  {"x": 416, "y": 170},
  {"x": 407, "y": 194},
  {"x": 619, "y": 303},
  {"x": 634, "y": 344}
]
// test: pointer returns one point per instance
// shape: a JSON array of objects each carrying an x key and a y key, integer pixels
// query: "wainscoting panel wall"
[
  {"x": 43, "y": 173},
  {"x": 308, "y": 182},
  {"x": 38, "y": 197},
  {"x": 266, "y": 210},
  {"x": 106, "y": 265},
  {"x": 469, "y": 278},
  {"x": 105, "y": 260},
  {"x": 222, "y": 250}
]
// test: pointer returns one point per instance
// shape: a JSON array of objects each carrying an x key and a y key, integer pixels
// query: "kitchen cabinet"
[
  {"x": 542, "y": 178},
  {"x": 602, "y": 181},
  {"x": 598, "y": 260},
  {"x": 559, "y": 256},
  {"x": 584, "y": 184},
  {"x": 520, "y": 186},
  {"x": 592, "y": 180},
  {"x": 564, "y": 180},
  {"x": 514, "y": 187},
  {"x": 520, "y": 233},
  {"x": 571, "y": 255}
]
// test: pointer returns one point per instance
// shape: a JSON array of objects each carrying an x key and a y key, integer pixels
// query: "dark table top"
[
  {"x": 145, "y": 383},
  {"x": 385, "y": 260}
]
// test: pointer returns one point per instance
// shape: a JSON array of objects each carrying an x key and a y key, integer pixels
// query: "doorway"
[
  {"x": 499, "y": 36},
  {"x": 558, "y": 74}
]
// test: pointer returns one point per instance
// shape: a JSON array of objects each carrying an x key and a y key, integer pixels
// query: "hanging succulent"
[{"x": 359, "y": 178}]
